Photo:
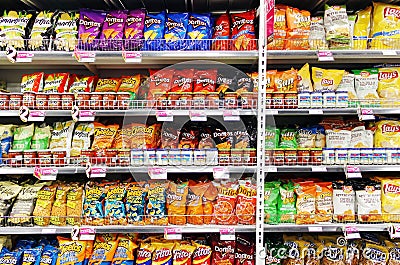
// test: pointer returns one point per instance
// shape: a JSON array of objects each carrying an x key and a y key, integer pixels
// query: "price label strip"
[
  {"x": 86, "y": 115},
  {"x": 231, "y": 115},
  {"x": 132, "y": 57},
  {"x": 316, "y": 112},
  {"x": 96, "y": 171},
  {"x": 220, "y": 173},
  {"x": 389, "y": 52},
  {"x": 365, "y": 114},
  {"x": 25, "y": 114},
  {"x": 87, "y": 233},
  {"x": 158, "y": 172},
  {"x": 49, "y": 230},
  {"x": 351, "y": 232},
  {"x": 227, "y": 234},
  {"x": 353, "y": 172},
  {"x": 325, "y": 56},
  {"x": 394, "y": 231},
  {"x": 164, "y": 115},
  {"x": 45, "y": 173},
  {"x": 85, "y": 56},
  {"x": 172, "y": 233},
  {"x": 198, "y": 115}
]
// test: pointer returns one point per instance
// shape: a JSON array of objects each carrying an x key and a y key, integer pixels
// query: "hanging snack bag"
[
  {"x": 326, "y": 80},
  {"x": 271, "y": 196},
  {"x": 61, "y": 135},
  {"x": 103, "y": 251},
  {"x": 71, "y": 252},
  {"x": 336, "y": 24},
  {"x": 55, "y": 83},
  {"x": 74, "y": 204},
  {"x": 162, "y": 254},
  {"x": 286, "y": 81},
  {"x": 44, "y": 203},
  {"x": 323, "y": 202},
  {"x": 32, "y": 82},
  {"x": 343, "y": 202},
  {"x": 298, "y": 29},
  {"x": 104, "y": 135},
  {"x": 362, "y": 29},
  {"x": 224, "y": 206},
  {"x": 156, "y": 203},
  {"x": 66, "y": 31},
  {"x": 23, "y": 137},
  {"x": 59, "y": 209},
  {"x": 175, "y": 31},
  {"x": 90, "y": 22},
  {"x": 112, "y": 30},
  {"x": 154, "y": 27},
  {"x": 243, "y": 32},
  {"x": 41, "y": 137},
  {"x": 114, "y": 208},
  {"x": 81, "y": 84},
  {"x": 317, "y": 38},
  {"x": 134, "y": 203},
  {"x": 221, "y": 33},
  {"x": 368, "y": 198},
  {"x": 199, "y": 32},
  {"x": 279, "y": 40},
  {"x": 204, "y": 80},
  {"x": 305, "y": 203},
  {"x": 160, "y": 82},
  {"x": 182, "y": 80},
  {"x": 387, "y": 134},
  {"x": 13, "y": 27},
  {"x": 389, "y": 83},
  {"x": 133, "y": 31},
  {"x": 39, "y": 37},
  {"x": 93, "y": 206},
  {"x": 304, "y": 80},
  {"x": 286, "y": 203},
  {"x": 246, "y": 202},
  {"x": 385, "y": 26},
  {"x": 176, "y": 202},
  {"x": 108, "y": 85},
  {"x": 366, "y": 83},
  {"x": 81, "y": 138}
]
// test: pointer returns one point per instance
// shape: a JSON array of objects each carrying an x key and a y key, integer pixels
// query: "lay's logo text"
[
  {"x": 388, "y": 75},
  {"x": 390, "y": 188},
  {"x": 391, "y": 12}
]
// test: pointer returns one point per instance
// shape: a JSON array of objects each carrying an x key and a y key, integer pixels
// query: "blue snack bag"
[
  {"x": 7, "y": 257},
  {"x": 154, "y": 26},
  {"x": 31, "y": 256},
  {"x": 199, "y": 32},
  {"x": 175, "y": 31},
  {"x": 49, "y": 255}
]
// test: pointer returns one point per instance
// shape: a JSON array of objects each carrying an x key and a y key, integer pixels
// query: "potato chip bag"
[
  {"x": 374, "y": 254},
  {"x": 385, "y": 26},
  {"x": 32, "y": 82},
  {"x": 336, "y": 24},
  {"x": 182, "y": 254},
  {"x": 288, "y": 139},
  {"x": 124, "y": 254},
  {"x": 390, "y": 199},
  {"x": 41, "y": 137},
  {"x": 286, "y": 81},
  {"x": 61, "y": 135},
  {"x": 337, "y": 138},
  {"x": 59, "y": 209},
  {"x": 156, "y": 203},
  {"x": 144, "y": 254},
  {"x": 347, "y": 85},
  {"x": 195, "y": 195},
  {"x": 71, "y": 252},
  {"x": 246, "y": 202},
  {"x": 389, "y": 83},
  {"x": 130, "y": 84},
  {"x": 90, "y": 22},
  {"x": 44, "y": 203},
  {"x": 199, "y": 32},
  {"x": 387, "y": 134},
  {"x": 66, "y": 31},
  {"x": 114, "y": 207},
  {"x": 209, "y": 198},
  {"x": 343, "y": 202},
  {"x": 176, "y": 202},
  {"x": 39, "y": 37},
  {"x": 221, "y": 33},
  {"x": 368, "y": 198},
  {"x": 112, "y": 30},
  {"x": 108, "y": 85},
  {"x": 323, "y": 202},
  {"x": 55, "y": 83},
  {"x": 81, "y": 138},
  {"x": 133, "y": 30},
  {"x": 271, "y": 196},
  {"x": 298, "y": 29},
  {"x": 326, "y": 80},
  {"x": 224, "y": 205},
  {"x": 202, "y": 254},
  {"x": 270, "y": 81},
  {"x": 361, "y": 138},
  {"x": 366, "y": 83},
  {"x": 243, "y": 32},
  {"x": 81, "y": 84},
  {"x": 153, "y": 135},
  {"x": 154, "y": 27},
  {"x": 176, "y": 26},
  {"x": 305, "y": 203},
  {"x": 304, "y": 80},
  {"x": 279, "y": 40},
  {"x": 245, "y": 250},
  {"x": 317, "y": 38},
  {"x": 362, "y": 29},
  {"x": 23, "y": 137},
  {"x": 103, "y": 135},
  {"x": 286, "y": 203},
  {"x": 12, "y": 26},
  {"x": 134, "y": 203},
  {"x": 103, "y": 251}
]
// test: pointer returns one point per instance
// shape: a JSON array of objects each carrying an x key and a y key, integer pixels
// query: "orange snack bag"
[
  {"x": 153, "y": 136},
  {"x": 323, "y": 203},
  {"x": 162, "y": 254},
  {"x": 305, "y": 203},
  {"x": 279, "y": 40},
  {"x": 208, "y": 204},
  {"x": 144, "y": 254},
  {"x": 298, "y": 22},
  {"x": 246, "y": 202},
  {"x": 176, "y": 202},
  {"x": 103, "y": 250},
  {"x": 104, "y": 135},
  {"x": 270, "y": 80},
  {"x": 182, "y": 254},
  {"x": 224, "y": 206},
  {"x": 122, "y": 138},
  {"x": 194, "y": 208},
  {"x": 202, "y": 254},
  {"x": 108, "y": 85},
  {"x": 286, "y": 81},
  {"x": 129, "y": 83}
]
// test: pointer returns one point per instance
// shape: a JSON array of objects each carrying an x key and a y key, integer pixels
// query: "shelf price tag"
[
  {"x": 315, "y": 229},
  {"x": 24, "y": 57},
  {"x": 164, "y": 115},
  {"x": 87, "y": 233},
  {"x": 316, "y": 112},
  {"x": 389, "y": 52},
  {"x": 45, "y": 173},
  {"x": 158, "y": 172},
  {"x": 351, "y": 232},
  {"x": 365, "y": 114},
  {"x": 272, "y": 169},
  {"x": 394, "y": 231},
  {"x": 325, "y": 56},
  {"x": 95, "y": 172},
  {"x": 227, "y": 234},
  {"x": 86, "y": 115},
  {"x": 231, "y": 115},
  {"x": 172, "y": 233},
  {"x": 85, "y": 56},
  {"x": 132, "y": 57},
  {"x": 318, "y": 169},
  {"x": 25, "y": 114},
  {"x": 198, "y": 115},
  {"x": 353, "y": 172},
  {"x": 220, "y": 173},
  {"x": 49, "y": 230}
]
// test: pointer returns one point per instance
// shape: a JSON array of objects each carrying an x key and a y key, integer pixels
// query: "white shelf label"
[
  {"x": 318, "y": 169},
  {"x": 86, "y": 115},
  {"x": 164, "y": 115},
  {"x": 389, "y": 52},
  {"x": 158, "y": 172},
  {"x": 87, "y": 233},
  {"x": 394, "y": 231},
  {"x": 24, "y": 57},
  {"x": 231, "y": 115},
  {"x": 272, "y": 169},
  {"x": 132, "y": 57},
  {"x": 227, "y": 234},
  {"x": 220, "y": 173},
  {"x": 366, "y": 114},
  {"x": 325, "y": 56},
  {"x": 353, "y": 172},
  {"x": 351, "y": 232},
  {"x": 45, "y": 173},
  {"x": 198, "y": 115},
  {"x": 272, "y": 112},
  {"x": 316, "y": 112},
  {"x": 95, "y": 172},
  {"x": 172, "y": 233},
  {"x": 85, "y": 56},
  {"x": 49, "y": 230},
  {"x": 315, "y": 229}
]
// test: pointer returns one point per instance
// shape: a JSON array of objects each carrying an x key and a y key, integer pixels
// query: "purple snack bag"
[
  {"x": 113, "y": 30},
  {"x": 133, "y": 31},
  {"x": 90, "y": 22}
]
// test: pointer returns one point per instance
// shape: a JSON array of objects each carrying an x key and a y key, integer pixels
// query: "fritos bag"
[
  {"x": 202, "y": 254},
  {"x": 224, "y": 206},
  {"x": 246, "y": 202},
  {"x": 182, "y": 254},
  {"x": 162, "y": 254}
]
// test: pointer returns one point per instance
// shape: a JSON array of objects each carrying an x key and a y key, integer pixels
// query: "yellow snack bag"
[
  {"x": 304, "y": 80},
  {"x": 387, "y": 134},
  {"x": 385, "y": 30},
  {"x": 162, "y": 253},
  {"x": 389, "y": 83},
  {"x": 71, "y": 252},
  {"x": 103, "y": 251},
  {"x": 390, "y": 200},
  {"x": 361, "y": 29},
  {"x": 326, "y": 79}
]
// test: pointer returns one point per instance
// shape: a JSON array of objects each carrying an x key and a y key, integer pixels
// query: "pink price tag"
[
  {"x": 87, "y": 115},
  {"x": 198, "y": 115},
  {"x": 172, "y": 233},
  {"x": 36, "y": 115},
  {"x": 227, "y": 233},
  {"x": 87, "y": 233},
  {"x": 164, "y": 115},
  {"x": 352, "y": 232},
  {"x": 132, "y": 57},
  {"x": 24, "y": 57},
  {"x": 158, "y": 173},
  {"x": 98, "y": 172},
  {"x": 45, "y": 173},
  {"x": 85, "y": 56},
  {"x": 366, "y": 115},
  {"x": 353, "y": 172},
  {"x": 231, "y": 115},
  {"x": 325, "y": 56},
  {"x": 220, "y": 173},
  {"x": 269, "y": 21}
]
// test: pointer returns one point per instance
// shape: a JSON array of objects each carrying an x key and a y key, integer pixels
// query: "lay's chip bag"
[
  {"x": 71, "y": 252},
  {"x": 144, "y": 254},
  {"x": 175, "y": 30},
  {"x": 385, "y": 30},
  {"x": 133, "y": 32},
  {"x": 154, "y": 26},
  {"x": 389, "y": 83},
  {"x": 113, "y": 30},
  {"x": 162, "y": 253},
  {"x": 361, "y": 29},
  {"x": 199, "y": 32}
]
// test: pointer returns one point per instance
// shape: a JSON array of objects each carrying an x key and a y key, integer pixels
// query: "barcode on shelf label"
[
  {"x": 45, "y": 173},
  {"x": 49, "y": 230},
  {"x": 24, "y": 57},
  {"x": 220, "y": 173},
  {"x": 394, "y": 231},
  {"x": 325, "y": 56},
  {"x": 351, "y": 232},
  {"x": 353, "y": 172},
  {"x": 86, "y": 115},
  {"x": 366, "y": 114},
  {"x": 318, "y": 169},
  {"x": 164, "y": 115},
  {"x": 158, "y": 172},
  {"x": 231, "y": 115},
  {"x": 315, "y": 229},
  {"x": 172, "y": 233},
  {"x": 85, "y": 56},
  {"x": 389, "y": 52},
  {"x": 132, "y": 57},
  {"x": 227, "y": 234},
  {"x": 198, "y": 115},
  {"x": 87, "y": 233}
]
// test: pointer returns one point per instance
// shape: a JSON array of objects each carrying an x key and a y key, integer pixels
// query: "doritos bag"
[
  {"x": 113, "y": 30},
  {"x": 90, "y": 22},
  {"x": 134, "y": 26},
  {"x": 223, "y": 252},
  {"x": 182, "y": 80},
  {"x": 204, "y": 80},
  {"x": 154, "y": 32},
  {"x": 243, "y": 32},
  {"x": 176, "y": 202},
  {"x": 221, "y": 33},
  {"x": 199, "y": 32},
  {"x": 160, "y": 82},
  {"x": 245, "y": 251},
  {"x": 175, "y": 31}
]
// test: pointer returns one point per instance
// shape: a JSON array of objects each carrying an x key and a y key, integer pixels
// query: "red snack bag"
[
  {"x": 224, "y": 205},
  {"x": 182, "y": 80},
  {"x": 55, "y": 83},
  {"x": 245, "y": 250},
  {"x": 223, "y": 252},
  {"x": 202, "y": 254},
  {"x": 32, "y": 82},
  {"x": 204, "y": 80},
  {"x": 243, "y": 32},
  {"x": 81, "y": 83},
  {"x": 246, "y": 202},
  {"x": 221, "y": 35},
  {"x": 160, "y": 81}
]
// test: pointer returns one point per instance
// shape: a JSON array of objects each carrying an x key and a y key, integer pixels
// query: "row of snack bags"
[
  {"x": 128, "y": 249},
  {"x": 310, "y": 201},
  {"x": 375, "y": 27},
  {"x": 160, "y": 81},
  {"x": 326, "y": 249},
  {"x": 123, "y": 29}
]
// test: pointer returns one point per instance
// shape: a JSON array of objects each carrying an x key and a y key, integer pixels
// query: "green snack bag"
[
  {"x": 271, "y": 137},
  {"x": 23, "y": 137},
  {"x": 41, "y": 138},
  {"x": 271, "y": 195},
  {"x": 287, "y": 203},
  {"x": 288, "y": 139},
  {"x": 276, "y": 252}
]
